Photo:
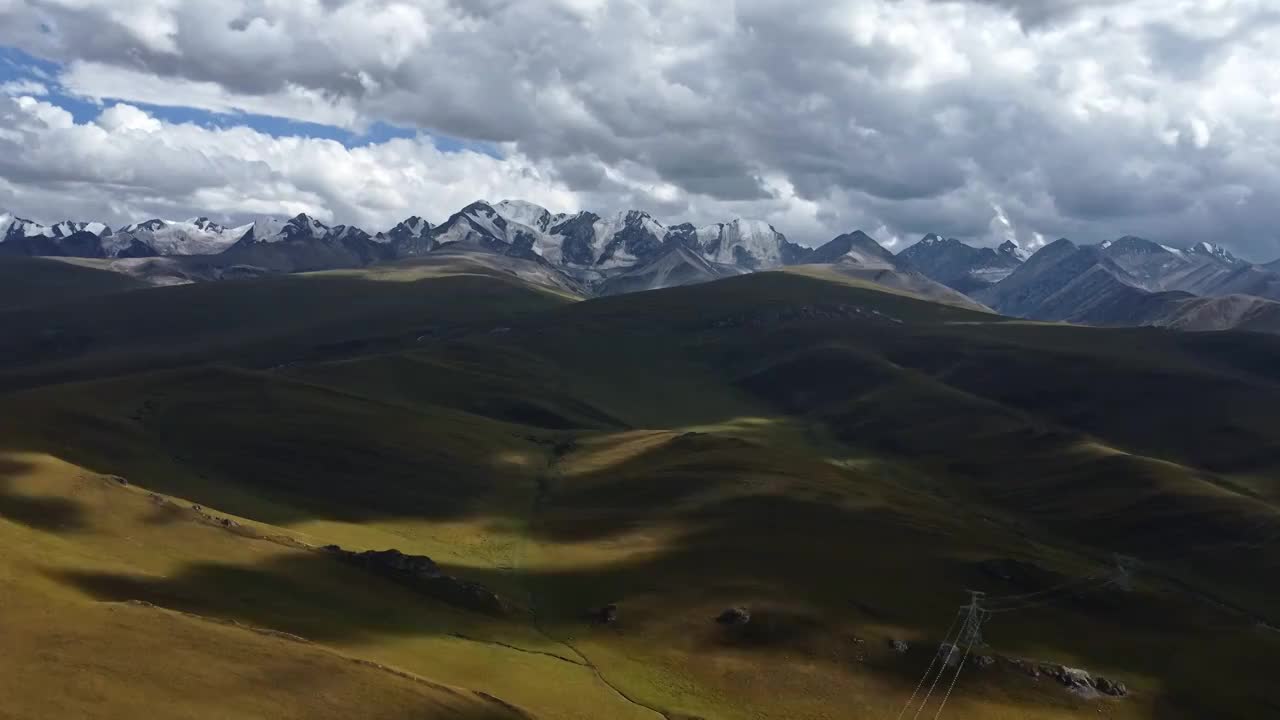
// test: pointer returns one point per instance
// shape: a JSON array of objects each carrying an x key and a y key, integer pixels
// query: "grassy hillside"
[
  {"x": 266, "y": 321},
  {"x": 27, "y": 282},
  {"x": 75, "y": 648},
  {"x": 843, "y": 462}
]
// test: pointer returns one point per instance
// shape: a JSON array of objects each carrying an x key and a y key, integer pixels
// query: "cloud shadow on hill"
[{"x": 47, "y": 513}]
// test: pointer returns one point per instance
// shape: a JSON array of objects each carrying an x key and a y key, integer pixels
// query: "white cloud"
[
  {"x": 1084, "y": 118},
  {"x": 24, "y": 87},
  {"x": 128, "y": 165}
]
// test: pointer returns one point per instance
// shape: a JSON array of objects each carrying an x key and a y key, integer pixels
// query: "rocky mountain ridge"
[{"x": 1126, "y": 281}]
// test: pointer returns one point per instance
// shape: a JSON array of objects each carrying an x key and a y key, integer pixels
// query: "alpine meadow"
[{"x": 877, "y": 360}]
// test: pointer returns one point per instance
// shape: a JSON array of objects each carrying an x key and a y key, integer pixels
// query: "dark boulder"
[
  {"x": 1114, "y": 688},
  {"x": 734, "y": 616}
]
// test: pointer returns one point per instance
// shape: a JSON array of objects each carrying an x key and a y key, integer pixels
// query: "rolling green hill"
[
  {"x": 267, "y": 321},
  {"x": 843, "y": 462},
  {"x": 27, "y": 282}
]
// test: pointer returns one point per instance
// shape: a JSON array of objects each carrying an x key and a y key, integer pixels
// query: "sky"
[{"x": 984, "y": 120}]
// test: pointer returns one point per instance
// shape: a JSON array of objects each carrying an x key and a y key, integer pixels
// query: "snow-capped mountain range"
[
  {"x": 633, "y": 250},
  {"x": 584, "y": 243},
  {"x": 198, "y": 236}
]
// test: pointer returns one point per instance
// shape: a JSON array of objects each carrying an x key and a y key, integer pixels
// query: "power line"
[
  {"x": 996, "y": 600},
  {"x": 1096, "y": 584},
  {"x": 980, "y": 609},
  {"x": 975, "y": 631},
  {"x": 949, "y": 645},
  {"x": 971, "y": 611},
  {"x": 946, "y": 638}
]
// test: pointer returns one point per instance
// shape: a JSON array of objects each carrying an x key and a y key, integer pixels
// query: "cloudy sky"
[{"x": 980, "y": 119}]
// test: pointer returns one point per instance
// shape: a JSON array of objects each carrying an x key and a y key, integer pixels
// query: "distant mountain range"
[
  {"x": 624, "y": 252},
  {"x": 964, "y": 267},
  {"x": 1127, "y": 281}
]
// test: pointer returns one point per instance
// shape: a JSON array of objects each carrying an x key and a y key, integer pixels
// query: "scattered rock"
[
  {"x": 422, "y": 574},
  {"x": 1071, "y": 677},
  {"x": 768, "y": 627},
  {"x": 984, "y": 661},
  {"x": 1114, "y": 688},
  {"x": 734, "y": 616},
  {"x": 1076, "y": 680},
  {"x": 229, "y": 523},
  {"x": 899, "y": 646},
  {"x": 197, "y": 508}
]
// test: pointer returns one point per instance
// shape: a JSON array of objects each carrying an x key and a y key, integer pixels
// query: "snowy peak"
[
  {"x": 301, "y": 229},
  {"x": 1012, "y": 250},
  {"x": 574, "y": 240},
  {"x": 199, "y": 236},
  {"x": 303, "y": 226},
  {"x": 411, "y": 228},
  {"x": 749, "y": 244},
  {"x": 626, "y": 239},
  {"x": 1215, "y": 252},
  {"x": 479, "y": 226},
  {"x": 344, "y": 233},
  {"x": 207, "y": 225},
  {"x": 525, "y": 213},
  {"x": 67, "y": 228},
  {"x": 147, "y": 226},
  {"x": 263, "y": 230},
  {"x": 13, "y": 227}
]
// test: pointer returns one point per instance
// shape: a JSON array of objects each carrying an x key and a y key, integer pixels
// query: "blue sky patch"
[{"x": 18, "y": 65}]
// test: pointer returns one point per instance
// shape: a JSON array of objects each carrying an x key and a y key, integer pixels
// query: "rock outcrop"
[
  {"x": 422, "y": 574},
  {"x": 1074, "y": 679}
]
